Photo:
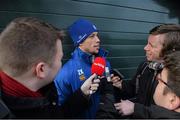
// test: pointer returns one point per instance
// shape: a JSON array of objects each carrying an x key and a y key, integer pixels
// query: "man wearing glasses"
[{"x": 167, "y": 93}]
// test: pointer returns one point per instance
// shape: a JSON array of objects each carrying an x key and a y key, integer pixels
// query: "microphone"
[
  {"x": 157, "y": 67},
  {"x": 98, "y": 67},
  {"x": 107, "y": 73}
]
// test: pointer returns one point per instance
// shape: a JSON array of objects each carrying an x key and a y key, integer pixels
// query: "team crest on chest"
[{"x": 81, "y": 74}]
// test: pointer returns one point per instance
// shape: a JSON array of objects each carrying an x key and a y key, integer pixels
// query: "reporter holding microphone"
[{"x": 90, "y": 86}]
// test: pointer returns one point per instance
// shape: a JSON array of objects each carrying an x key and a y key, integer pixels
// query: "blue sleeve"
[{"x": 62, "y": 83}]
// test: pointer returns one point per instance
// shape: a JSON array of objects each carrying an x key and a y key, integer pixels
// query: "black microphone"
[{"x": 156, "y": 65}]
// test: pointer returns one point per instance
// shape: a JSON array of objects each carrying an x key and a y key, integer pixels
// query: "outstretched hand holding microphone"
[{"x": 91, "y": 85}]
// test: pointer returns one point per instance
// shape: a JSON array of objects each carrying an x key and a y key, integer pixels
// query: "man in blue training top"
[{"x": 87, "y": 46}]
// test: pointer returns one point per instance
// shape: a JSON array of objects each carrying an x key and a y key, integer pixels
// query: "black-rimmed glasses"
[{"x": 159, "y": 79}]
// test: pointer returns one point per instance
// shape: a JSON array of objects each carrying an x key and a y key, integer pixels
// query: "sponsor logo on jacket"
[{"x": 81, "y": 74}]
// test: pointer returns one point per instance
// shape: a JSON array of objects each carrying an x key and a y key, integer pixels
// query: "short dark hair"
[
  {"x": 25, "y": 42},
  {"x": 172, "y": 64},
  {"x": 171, "y": 37}
]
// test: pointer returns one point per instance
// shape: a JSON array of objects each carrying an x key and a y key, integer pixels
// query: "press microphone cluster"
[{"x": 98, "y": 67}]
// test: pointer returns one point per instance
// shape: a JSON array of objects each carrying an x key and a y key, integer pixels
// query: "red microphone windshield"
[{"x": 98, "y": 66}]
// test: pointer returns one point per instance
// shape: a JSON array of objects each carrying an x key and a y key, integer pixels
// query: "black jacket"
[
  {"x": 142, "y": 86},
  {"x": 5, "y": 113},
  {"x": 143, "y": 94},
  {"x": 130, "y": 89},
  {"x": 154, "y": 111},
  {"x": 46, "y": 107},
  {"x": 106, "y": 106}
]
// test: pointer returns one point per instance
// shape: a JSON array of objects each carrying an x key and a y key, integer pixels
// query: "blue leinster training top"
[{"x": 72, "y": 76}]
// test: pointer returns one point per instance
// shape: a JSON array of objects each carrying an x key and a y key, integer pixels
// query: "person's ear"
[
  {"x": 174, "y": 101},
  {"x": 40, "y": 70}
]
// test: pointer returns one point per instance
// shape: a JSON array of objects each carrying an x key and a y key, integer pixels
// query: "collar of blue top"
[{"x": 78, "y": 53}]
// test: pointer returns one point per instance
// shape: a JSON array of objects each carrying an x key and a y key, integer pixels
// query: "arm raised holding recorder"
[{"x": 116, "y": 78}]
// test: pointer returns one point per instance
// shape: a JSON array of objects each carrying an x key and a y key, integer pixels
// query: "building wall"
[{"x": 123, "y": 24}]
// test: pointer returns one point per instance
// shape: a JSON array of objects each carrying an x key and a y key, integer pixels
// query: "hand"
[
  {"x": 91, "y": 84},
  {"x": 125, "y": 107},
  {"x": 117, "y": 82}
]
